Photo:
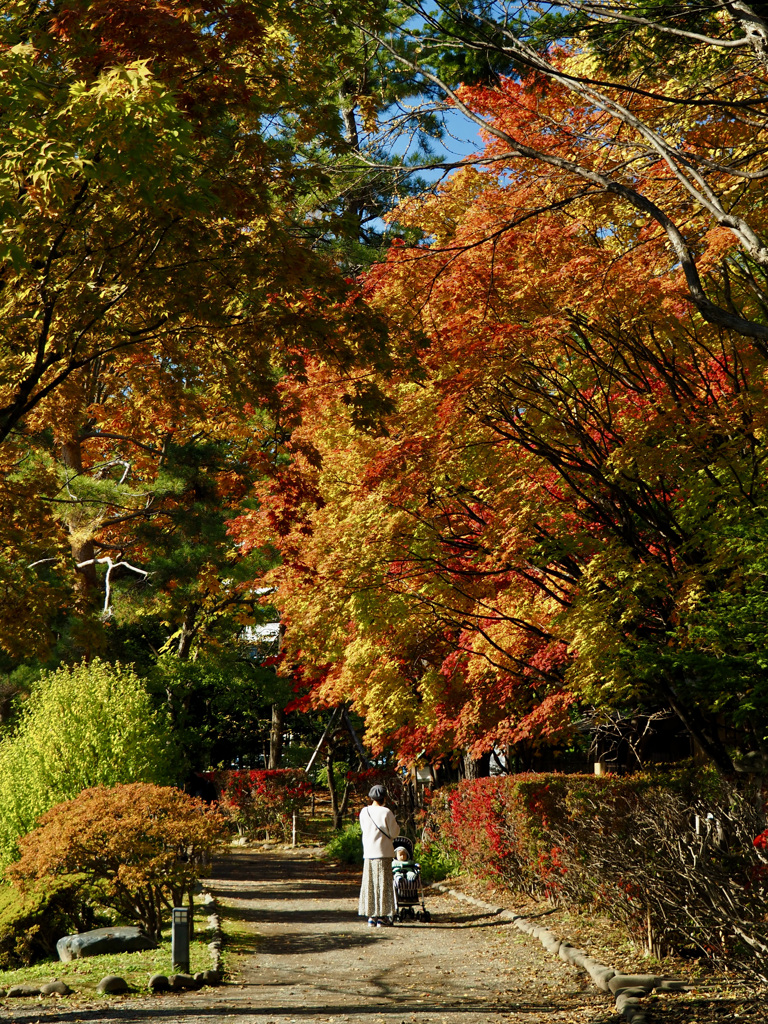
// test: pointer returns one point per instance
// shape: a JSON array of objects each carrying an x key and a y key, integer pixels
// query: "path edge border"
[
  {"x": 626, "y": 989},
  {"x": 213, "y": 927}
]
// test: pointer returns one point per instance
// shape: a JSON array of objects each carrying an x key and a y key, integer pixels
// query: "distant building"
[{"x": 262, "y": 641}]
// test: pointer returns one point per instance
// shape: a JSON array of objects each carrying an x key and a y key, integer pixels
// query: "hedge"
[
  {"x": 680, "y": 858},
  {"x": 263, "y": 800}
]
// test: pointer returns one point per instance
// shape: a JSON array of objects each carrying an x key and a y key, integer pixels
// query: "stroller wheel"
[{"x": 426, "y": 917}]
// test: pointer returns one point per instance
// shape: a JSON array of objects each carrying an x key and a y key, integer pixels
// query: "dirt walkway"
[{"x": 310, "y": 958}]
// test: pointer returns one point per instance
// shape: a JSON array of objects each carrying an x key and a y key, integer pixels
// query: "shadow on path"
[
  {"x": 191, "y": 1014},
  {"x": 301, "y": 953}
]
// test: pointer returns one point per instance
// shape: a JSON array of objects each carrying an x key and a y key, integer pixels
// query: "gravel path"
[{"x": 310, "y": 958}]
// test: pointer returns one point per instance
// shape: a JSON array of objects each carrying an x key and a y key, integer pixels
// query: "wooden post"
[{"x": 322, "y": 740}]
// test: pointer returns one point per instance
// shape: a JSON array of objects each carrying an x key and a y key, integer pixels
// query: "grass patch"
[
  {"x": 84, "y": 975},
  {"x": 240, "y": 944},
  {"x": 240, "y": 941},
  {"x": 315, "y": 831}
]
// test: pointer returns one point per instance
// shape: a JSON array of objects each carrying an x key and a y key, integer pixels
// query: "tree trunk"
[
  {"x": 276, "y": 737},
  {"x": 338, "y": 810},
  {"x": 479, "y": 768},
  {"x": 188, "y": 631},
  {"x": 80, "y": 540},
  {"x": 703, "y": 735}
]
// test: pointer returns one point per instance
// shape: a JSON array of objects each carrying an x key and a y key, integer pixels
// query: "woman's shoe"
[
  {"x": 379, "y": 923},
  {"x": 372, "y": 922}
]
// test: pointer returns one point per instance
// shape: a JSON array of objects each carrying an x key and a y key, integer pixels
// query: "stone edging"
[
  {"x": 214, "y": 928},
  {"x": 179, "y": 982},
  {"x": 627, "y": 989}
]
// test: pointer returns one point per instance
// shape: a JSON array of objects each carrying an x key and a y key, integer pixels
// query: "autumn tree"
[
  {"x": 561, "y": 508},
  {"x": 544, "y": 488},
  {"x": 677, "y": 88},
  {"x": 156, "y": 284},
  {"x": 127, "y": 216}
]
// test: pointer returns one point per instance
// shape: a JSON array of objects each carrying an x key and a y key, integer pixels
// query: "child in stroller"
[{"x": 406, "y": 882}]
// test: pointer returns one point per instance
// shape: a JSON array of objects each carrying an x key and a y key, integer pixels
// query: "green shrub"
[
  {"x": 347, "y": 845},
  {"x": 90, "y": 725},
  {"x": 340, "y": 772},
  {"x": 436, "y": 864},
  {"x": 32, "y": 921}
]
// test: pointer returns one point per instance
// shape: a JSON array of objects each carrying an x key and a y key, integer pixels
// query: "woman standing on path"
[{"x": 379, "y": 829}]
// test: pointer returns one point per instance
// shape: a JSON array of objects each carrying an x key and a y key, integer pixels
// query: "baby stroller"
[{"x": 408, "y": 890}]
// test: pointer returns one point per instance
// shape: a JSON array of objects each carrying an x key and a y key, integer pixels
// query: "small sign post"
[{"x": 180, "y": 939}]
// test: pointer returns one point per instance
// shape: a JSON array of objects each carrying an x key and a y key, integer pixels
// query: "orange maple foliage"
[
  {"x": 154, "y": 287},
  {"x": 539, "y": 517},
  {"x": 138, "y": 847}
]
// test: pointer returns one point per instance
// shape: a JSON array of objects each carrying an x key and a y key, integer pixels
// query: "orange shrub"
[{"x": 137, "y": 847}]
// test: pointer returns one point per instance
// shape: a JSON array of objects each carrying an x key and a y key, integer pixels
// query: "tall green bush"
[{"x": 92, "y": 725}]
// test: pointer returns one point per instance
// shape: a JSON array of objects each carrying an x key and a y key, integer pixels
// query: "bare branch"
[{"x": 106, "y": 560}]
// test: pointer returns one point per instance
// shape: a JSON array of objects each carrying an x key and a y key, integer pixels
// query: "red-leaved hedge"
[
  {"x": 263, "y": 800},
  {"x": 672, "y": 855}
]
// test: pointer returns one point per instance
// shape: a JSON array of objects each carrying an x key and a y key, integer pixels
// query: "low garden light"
[{"x": 180, "y": 939}]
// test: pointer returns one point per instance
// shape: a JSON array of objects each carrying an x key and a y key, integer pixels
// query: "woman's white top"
[{"x": 377, "y": 841}]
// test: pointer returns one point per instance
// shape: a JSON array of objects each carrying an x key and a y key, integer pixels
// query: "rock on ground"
[{"x": 123, "y": 939}]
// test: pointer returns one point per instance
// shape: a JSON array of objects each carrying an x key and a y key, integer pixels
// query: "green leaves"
[
  {"x": 92, "y": 725},
  {"x": 155, "y": 291}
]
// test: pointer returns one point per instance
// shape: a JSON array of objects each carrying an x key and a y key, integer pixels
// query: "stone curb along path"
[
  {"x": 214, "y": 927},
  {"x": 627, "y": 989}
]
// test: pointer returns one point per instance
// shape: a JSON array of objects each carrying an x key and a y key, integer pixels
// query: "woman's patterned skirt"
[{"x": 376, "y": 897}]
